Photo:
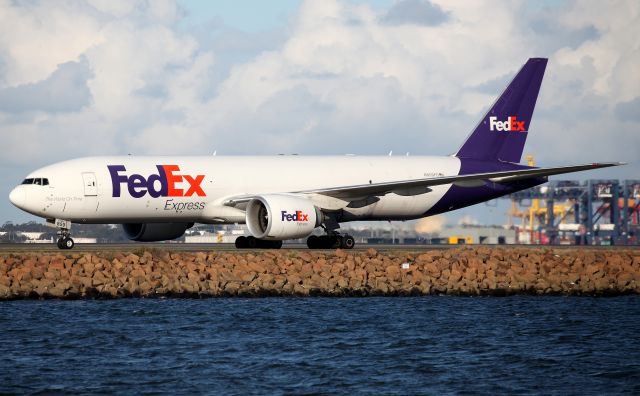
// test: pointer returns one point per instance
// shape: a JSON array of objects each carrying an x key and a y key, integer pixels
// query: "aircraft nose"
[{"x": 18, "y": 197}]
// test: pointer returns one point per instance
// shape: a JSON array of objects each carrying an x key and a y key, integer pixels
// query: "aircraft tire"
[
  {"x": 67, "y": 243},
  {"x": 252, "y": 242},
  {"x": 335, "y": 242},
  {"x": 312, "y": 242},
  {"x": 241, "y": 242},
  {"x": 348, "y": 242}
]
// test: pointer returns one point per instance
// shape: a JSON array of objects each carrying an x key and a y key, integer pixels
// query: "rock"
[
  {"x": 306, "y": 271},
  {"x": 393, "y": 272},
  {"x": 294, "y": 279},
  {"x": 340, "y": 253},
  {"x": 623, "y": 280},
  {"x": 337, "y": 268},
  {"x": 232, "y": 288},
  {"x": 56, "y": 292},
  {"x": 467, "y": 271},
  {"x": 248, "y": 277},
  {"x": 300, "y": 290},
  {"x": 455, "y": 276}
]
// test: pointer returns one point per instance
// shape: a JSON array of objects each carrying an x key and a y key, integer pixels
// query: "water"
[{"x": 430, "y": 345}]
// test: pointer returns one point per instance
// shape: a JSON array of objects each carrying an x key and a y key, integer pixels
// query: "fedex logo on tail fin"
[{"x": 510, "y": 125}]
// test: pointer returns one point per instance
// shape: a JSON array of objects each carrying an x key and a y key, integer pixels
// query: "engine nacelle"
[
  {"x": 154, "y": 232},
  {"x": 278, "y": 217}
]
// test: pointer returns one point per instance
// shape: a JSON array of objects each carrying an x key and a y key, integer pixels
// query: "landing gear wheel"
[
  {"x": 348, "y": 242},
  {"x": 312, "y": 242},
  {"x": 252, "y": 242},
  {"x": 66, "y": 243},
  {"x": 331, "y": 241},
  {"x": 335, "y": 241},
  {"x": 241, "y": 242}
]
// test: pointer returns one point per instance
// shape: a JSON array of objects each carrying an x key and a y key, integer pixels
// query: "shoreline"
[{"x": 476, "y": 271}]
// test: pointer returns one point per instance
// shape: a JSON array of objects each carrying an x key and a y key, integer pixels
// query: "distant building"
[
  {"x": 478, "y": 235},
  {"x": 221, "y": 236}
]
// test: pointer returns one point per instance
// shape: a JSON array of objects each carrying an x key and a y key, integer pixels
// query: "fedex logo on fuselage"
[
  {"x": 510, "y": 125},
  {"x": 297, "y": 216},
  {"x": 163, "y": 184}
]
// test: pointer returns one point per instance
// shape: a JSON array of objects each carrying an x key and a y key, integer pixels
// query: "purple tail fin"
[{"x": 502, "y": 132}]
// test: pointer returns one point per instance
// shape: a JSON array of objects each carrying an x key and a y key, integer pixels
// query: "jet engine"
[
  {"x": 279, "y": 217},
  {"x": 153, "y": 232}
]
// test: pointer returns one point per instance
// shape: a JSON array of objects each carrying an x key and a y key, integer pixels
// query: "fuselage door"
[{"x": 90, "y": 184}]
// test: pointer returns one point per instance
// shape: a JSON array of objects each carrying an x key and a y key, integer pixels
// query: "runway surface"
[{"x": 229, "y": 247}]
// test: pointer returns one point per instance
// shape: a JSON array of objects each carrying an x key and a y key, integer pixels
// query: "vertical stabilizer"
[{"x": 502, "y": 132}]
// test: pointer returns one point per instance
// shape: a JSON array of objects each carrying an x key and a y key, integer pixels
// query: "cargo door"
[{"x": 90, "y": 185}]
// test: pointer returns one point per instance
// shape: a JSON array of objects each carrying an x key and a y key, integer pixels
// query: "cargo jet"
[{"x": 288, "y": 197}]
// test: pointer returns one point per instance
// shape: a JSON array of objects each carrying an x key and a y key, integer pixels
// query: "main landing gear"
[
  {"x": 332, "y": 240},
  {"x": 243, "y": 242}
]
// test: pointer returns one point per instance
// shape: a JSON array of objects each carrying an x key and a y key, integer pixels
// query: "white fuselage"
[{"x": 82, "y": 190}]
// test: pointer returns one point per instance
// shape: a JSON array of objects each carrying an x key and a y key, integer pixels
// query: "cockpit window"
[{"x": 41, "y": 181}]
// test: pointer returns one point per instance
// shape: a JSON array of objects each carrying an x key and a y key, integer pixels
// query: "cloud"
[
  {"x": 468, "y": 220},
  {"x": 338, "y": 77},
  {"x": 629, "y": 111},
  {"x": 418, "y": 12},
  {"x": 430, "y": 225},
  {"x": 64, "y": 90}
]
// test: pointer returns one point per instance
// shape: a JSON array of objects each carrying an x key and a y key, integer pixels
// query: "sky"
[{"x": 104, "y": 77}]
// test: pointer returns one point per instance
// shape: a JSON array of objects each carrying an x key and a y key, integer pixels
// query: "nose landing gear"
[
  {"x": 65, "y": 242},
  {"x": 64, "y": 234}
]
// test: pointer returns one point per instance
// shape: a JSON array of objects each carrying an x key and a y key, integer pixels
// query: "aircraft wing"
[
  {"x": 420, "y": 186},
  {"x": 406, "y": 187}
]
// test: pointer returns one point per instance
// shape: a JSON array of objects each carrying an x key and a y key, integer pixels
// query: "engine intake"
[
  {"x": 279, "y": 217},
  {"x": 154, "y": 232}
]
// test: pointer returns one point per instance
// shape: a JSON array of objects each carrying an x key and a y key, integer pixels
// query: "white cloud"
[
  {"x": 38, "y": 37},
  {"x": 468, "y": 220},
  {"x": 341, "y": 77},
  {"x": 430, "y": 225}
]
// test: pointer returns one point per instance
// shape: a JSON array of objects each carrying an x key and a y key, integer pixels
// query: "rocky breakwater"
[{"x": 465, "y": 271}]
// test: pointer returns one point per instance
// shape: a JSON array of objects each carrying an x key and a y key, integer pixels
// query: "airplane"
[{"x": 283, "y": 197}]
